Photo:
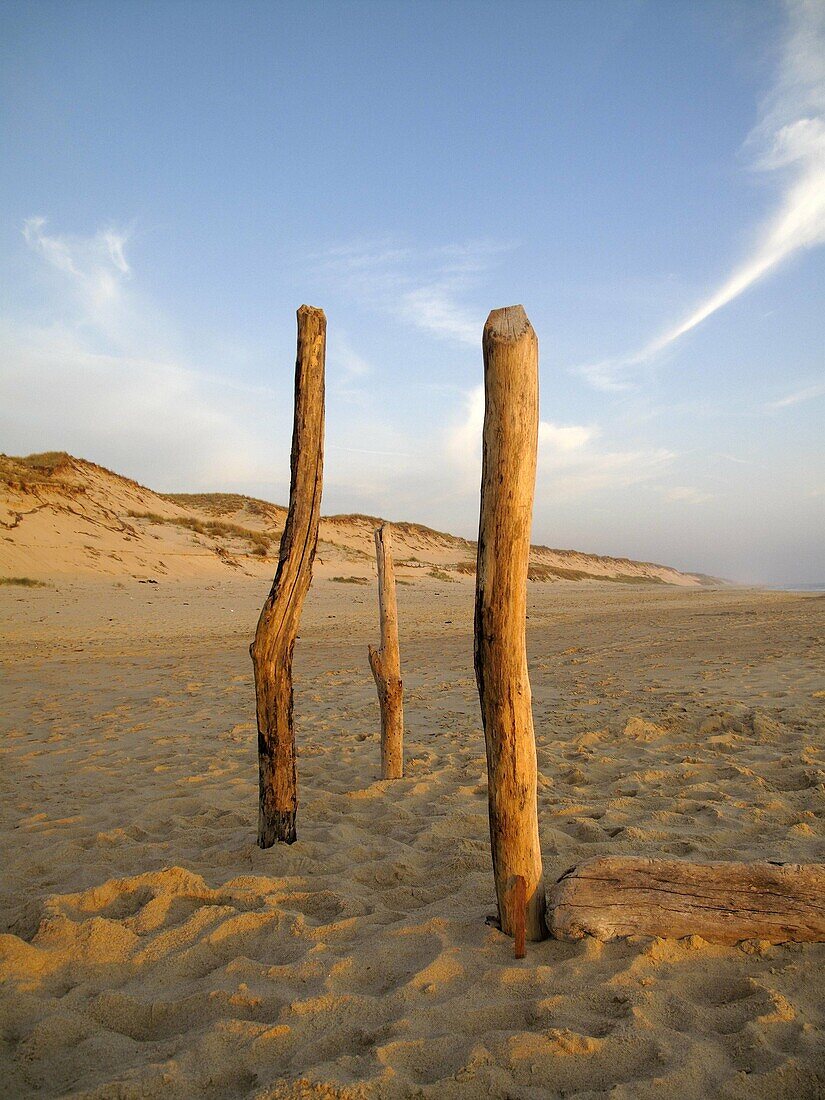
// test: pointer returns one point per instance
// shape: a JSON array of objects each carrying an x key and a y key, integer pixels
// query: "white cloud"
[
  {"x": 97, "y": 378},
  {"x": 790, "y": 141},
  {"x": 570, "y": 461},
  {"x": 809, "y": 393},
  {"x": 435, "y": 309},
  {"x": 563, "y": 439},
  {"x": 129, "y": 411}
]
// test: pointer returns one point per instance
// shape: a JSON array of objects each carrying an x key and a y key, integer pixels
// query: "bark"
[
  {"x": 721, "y": 902},
  {"x": 520, "y": 904},
  {"x": 507, "y": 486},
  {"x": 277, "y": 629},
  {"x": 385, "y": 662}
]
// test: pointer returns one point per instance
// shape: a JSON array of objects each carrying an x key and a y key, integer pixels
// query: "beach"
[{"x": 150, "y": 948}]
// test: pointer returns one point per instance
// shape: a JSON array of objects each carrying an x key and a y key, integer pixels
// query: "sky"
[{"x": 646, "y": 178}]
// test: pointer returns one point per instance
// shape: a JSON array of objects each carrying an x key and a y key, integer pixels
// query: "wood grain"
[
  {"x": 507, "y": 486},
  {"x": 615, "y": 896},
  {"x": 272, "y": 649}
]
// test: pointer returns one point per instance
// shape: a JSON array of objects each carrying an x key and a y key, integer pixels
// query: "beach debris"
[{"x": 722, "y": 902}]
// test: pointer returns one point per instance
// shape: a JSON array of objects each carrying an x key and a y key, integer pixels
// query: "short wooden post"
[
  {"x": 272, "y": 649},
  {"x": 386, "y": 662},
  {"x": 507, "y": 485}
]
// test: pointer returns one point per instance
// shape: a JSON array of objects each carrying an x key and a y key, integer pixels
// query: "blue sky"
[{"x": 647, "y": 178}]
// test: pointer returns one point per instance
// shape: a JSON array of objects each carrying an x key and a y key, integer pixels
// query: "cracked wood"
[{"x": 615, "y": 896}]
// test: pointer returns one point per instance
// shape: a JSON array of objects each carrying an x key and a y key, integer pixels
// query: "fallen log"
[
  {"x": 271, "y": 651},
  {"x": 385, "y": 662},
  {"x": 615, "y": 896}
]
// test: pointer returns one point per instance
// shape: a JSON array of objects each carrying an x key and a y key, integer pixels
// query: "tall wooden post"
[
  {"x": 386, "y": 662},
  {"x": 271, "y": 651},
  {"x": 507, "y": 486}
]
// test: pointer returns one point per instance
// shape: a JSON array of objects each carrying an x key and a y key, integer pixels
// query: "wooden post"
[
  {"x": 520, "y": 906},
  {"x": 507, "y": 485},
  {"x": 610, "y": 896},
  {"x": 271, "y": 651},
  {"x": 386, "y": 662}
]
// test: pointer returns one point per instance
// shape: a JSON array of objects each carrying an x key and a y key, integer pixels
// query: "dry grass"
[
  {"x": 556, "y": 573},
  {"x": 259, "y": 541},
  {"x": 632, "y": 578},
  {"x": 221, "y": 504},
  {"x": 24, "y": 582},
  {"x": 440, "y": 575}
]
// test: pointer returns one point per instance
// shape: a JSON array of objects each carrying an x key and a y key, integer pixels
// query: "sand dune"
[
  {"x": 62, "y": 516},
  {"x": 151, "y": 949}
]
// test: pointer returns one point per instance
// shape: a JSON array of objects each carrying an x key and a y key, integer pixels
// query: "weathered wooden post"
[
  {"x": 507, "y": 484},
  {"x": 385, "y": 662},
  {"x": 272, "y": 649}
]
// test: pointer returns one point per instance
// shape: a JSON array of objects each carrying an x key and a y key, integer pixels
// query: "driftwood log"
[
  {"x": 385, "y": 662},
  {"x": 721, "y": 902},
  {"x": 272, "y": 649},
  {"x": 507, "y": 485}
]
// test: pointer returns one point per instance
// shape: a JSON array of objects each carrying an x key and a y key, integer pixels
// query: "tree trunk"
[
  {"x": 386, "y": 662},
  {"x": 721, "y": 902},
  {"x": 274, "y": 642},
  {"x": 507, "y": 486}
]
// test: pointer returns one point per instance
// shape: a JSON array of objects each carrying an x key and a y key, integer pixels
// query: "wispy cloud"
[
  {"x": 346, "y": 359},
  {"x": 686, "y": 494},
  {"x": 788, "y": 140},
  {"x": 430, "y": 289},
  {"x": 96, "y": 265},
  {"x": 809, "y": 393}
]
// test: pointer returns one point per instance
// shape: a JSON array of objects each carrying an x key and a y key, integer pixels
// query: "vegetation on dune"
[
  {"x": 440, "y": 575},
  {"x": 351, "y": 553},
  {"x": 410, "y": 530},
  {"x": 33, "y": 471},
  {"x": 47, "y": 460},
  {"x": 259, "y": 541},
  {"x": 352, "y": 580},
  {"x": 23, "y": 582},
  {"x": 633, "y": 578},
  {"x": 26, "y": 472},
  {"x": 538, "y": 572},
  {"x": 221, "y": 504}
]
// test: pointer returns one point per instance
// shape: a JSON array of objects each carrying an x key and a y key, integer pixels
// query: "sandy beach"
[{"x": 151, "y": 949}]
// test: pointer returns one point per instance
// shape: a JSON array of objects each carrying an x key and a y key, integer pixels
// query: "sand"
[{"x": 152, "y": 950}]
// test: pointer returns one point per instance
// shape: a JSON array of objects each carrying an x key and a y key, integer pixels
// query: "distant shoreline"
[{"x": 819, "y": 586}]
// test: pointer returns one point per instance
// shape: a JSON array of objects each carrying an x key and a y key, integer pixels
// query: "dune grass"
[
  {"x": 24, "y": 582},
  {"x": 259, "y": 541}
]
